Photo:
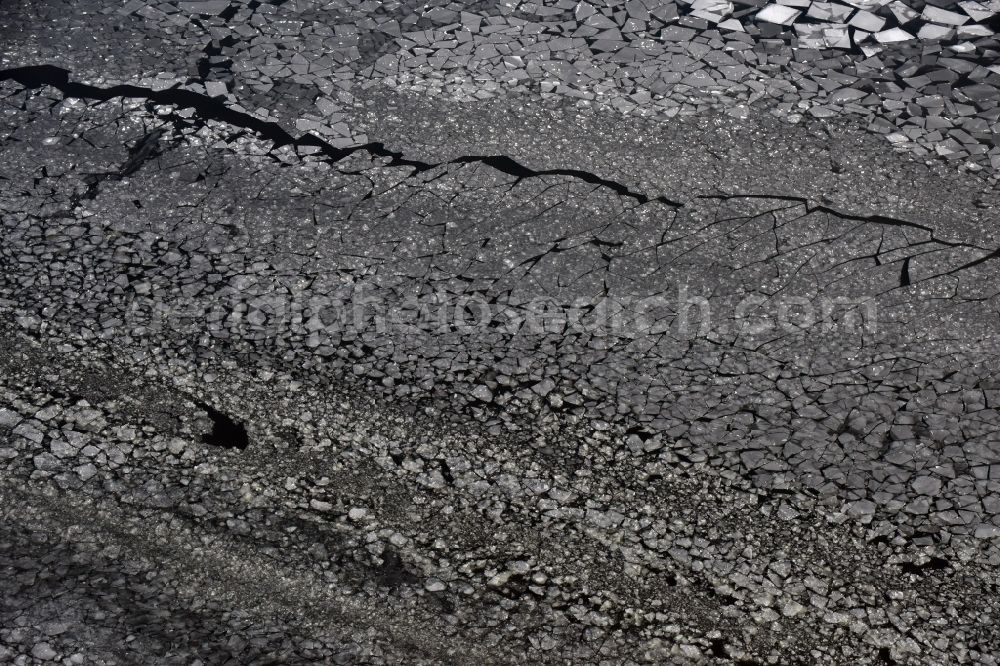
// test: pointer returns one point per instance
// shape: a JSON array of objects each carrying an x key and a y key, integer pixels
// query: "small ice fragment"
[
  {"x": 976, "y": 11},
  {"x": 867, "y": 4},
  {"x": 938, "y": 15},
  {"x": 215, "y": 88},
  {"x": 778, "y": 14},
  {"x": 892, "y": 35},
  {"x": 935, "y": 31},
  {"x": 865, "y": 20},
  {"x": 207, "y": 7},
  {"x": 903, "y": 13}
]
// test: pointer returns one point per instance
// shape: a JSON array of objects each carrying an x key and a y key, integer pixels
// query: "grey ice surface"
[{"x": 499, "y": 332}]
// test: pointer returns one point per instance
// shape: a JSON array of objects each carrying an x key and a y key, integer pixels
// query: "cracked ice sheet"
[
  {"x": 310, "y": 63},
  {"x": 861, "y": 461},
  {"x": 355, "y": 229}
]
